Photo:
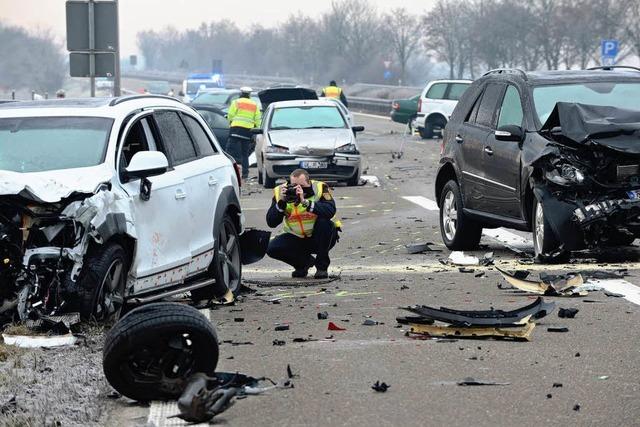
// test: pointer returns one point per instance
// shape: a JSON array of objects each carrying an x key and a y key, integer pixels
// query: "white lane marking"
[
  {"x": 429, "y": 205},
  {"x": 373, "y": 116},
  {"x": 629, "y": 291}
]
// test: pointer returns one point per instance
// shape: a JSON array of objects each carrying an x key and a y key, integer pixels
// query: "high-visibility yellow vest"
[
  {"x": 332, "y": 92},
  {"x": 297, "y": 219},
  {"x": 244, "y": 112}
]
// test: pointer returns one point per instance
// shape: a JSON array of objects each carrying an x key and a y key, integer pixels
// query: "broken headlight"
[
  {"x": 565, "y": 174},
  {"x": 276, "y": 149},
  {"x": 347, "y": 149}
]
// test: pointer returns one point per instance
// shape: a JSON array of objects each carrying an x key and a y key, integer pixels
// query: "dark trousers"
[
  {"x": 297, "y": 251},
  {"x": 239, "y": 145}
]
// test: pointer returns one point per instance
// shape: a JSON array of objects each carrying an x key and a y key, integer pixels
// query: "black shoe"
[
  {"x": 321, "y": 274},
  {"x": 300, "y": 273}
]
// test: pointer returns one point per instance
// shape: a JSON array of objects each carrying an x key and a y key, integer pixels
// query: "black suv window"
[
  {"x": 175, "y": 138},
  {"x": 473, "y": 113},
  {"x": 511, "y": 109},
  {"x": 488, "y": 105},
  {"x": 204, "y": 144}
]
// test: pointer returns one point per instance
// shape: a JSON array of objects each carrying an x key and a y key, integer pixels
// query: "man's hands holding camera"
[{"x": 291, "y": 194}]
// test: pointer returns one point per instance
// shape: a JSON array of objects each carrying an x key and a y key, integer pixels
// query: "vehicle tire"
[
  {"x": 226, "y": 266},
  {"x": 267, "y": 182},
  {"x": 459, "y": 232},
  {"x": 433, "y": 127},
  {"x": 260, "y": 179},
  {"x": 151, "y": 352},
  {"x": 546, "y": 246},
  {"x": 354, "y": 180},
  {"x": 101, "y": 283},
  {"x": 424, "y": 134}
]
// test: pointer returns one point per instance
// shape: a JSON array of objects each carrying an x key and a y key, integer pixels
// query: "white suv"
[
  {"x": 107, "y": 201},
  {"x": 436, "y": 104}
]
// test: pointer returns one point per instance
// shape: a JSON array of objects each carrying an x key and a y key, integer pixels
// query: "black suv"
[{"x": 555, "y": 152}]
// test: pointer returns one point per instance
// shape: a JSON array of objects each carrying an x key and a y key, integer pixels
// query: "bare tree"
[
  {"x": 445, "y": 41},
  {"x": 401, "y": 29}
]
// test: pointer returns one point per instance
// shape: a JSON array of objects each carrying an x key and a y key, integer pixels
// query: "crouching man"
[{"x": 307, "y": 210}]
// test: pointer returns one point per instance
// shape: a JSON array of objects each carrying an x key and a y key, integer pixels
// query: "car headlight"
[
  {"x": 347, "y": 149},
  {"x": 276, "y": 149},
  {"x": 565, "y": 174}
]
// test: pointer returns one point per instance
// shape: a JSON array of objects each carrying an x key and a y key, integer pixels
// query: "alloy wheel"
[
  {"x": 229, "y": 256},
  {"x": 110, "y": 297},
  {"x": 449, "y": 216}
]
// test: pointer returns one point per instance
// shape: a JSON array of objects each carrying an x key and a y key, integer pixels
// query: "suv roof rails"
[
  {"x": 611, "y": 67},
  {"x": 507, "y": 71},
  {"x": 121, "y": 99}
]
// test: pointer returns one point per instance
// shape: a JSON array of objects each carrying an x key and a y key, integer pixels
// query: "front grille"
[{"x": 333, "y": 170}]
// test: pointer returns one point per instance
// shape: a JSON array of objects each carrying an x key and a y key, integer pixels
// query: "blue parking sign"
[{"x": 609, "y": 48}]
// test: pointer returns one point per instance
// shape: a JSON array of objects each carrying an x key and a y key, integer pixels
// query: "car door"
[
  {"x": 501, "y": 159},
  {"x": 200, "y": 183},
  {"x": 207, "y": 176},
  {"x": 470, "y": 138},
  {"x": 162, "y": 250}
]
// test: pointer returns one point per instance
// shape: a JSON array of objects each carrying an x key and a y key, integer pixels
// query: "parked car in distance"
[
  {"x": 436, "y": 103},
  {"x": 551, "y": 152},
  {"x": 106, "y": 202},
  {"x": 306, "y": 133},
  {"x": 157, "y": 87},
  {"x": 404, "y": 110},
  {"x": 221, "y": 98}
]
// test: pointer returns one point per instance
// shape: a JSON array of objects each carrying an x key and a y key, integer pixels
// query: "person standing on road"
[
  {"x": 333, "y": 91},
  {"x": 307, "y": 210},
  {"x": 244, "y": 114}
]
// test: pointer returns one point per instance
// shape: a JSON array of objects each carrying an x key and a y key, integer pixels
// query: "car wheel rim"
[
  {"x": 449, "y": 216},
  {"x": 539, "y": 228},
  {"x": 110, "y": 298},
  {"x": 229, "y": 257}
]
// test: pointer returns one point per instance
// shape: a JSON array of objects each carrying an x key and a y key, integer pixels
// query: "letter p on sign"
[{"x": 609, "y": 48}]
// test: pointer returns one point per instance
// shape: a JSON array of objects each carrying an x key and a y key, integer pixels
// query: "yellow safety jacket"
[
  {"x": 332, "y": 92},
  {"x": 297, "y": 219},
  {"x": 244, "y": 112}
]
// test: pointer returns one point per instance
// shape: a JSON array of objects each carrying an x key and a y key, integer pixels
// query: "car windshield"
[
  {"x": 211, "y": 98},
  {"x": 160, "y": 88},
  {"x": 37, "y": 144},
  {"x": 194, "y": 87},
  {"x": 307, "y": 118},
  {"x": 619, "y": 95}
]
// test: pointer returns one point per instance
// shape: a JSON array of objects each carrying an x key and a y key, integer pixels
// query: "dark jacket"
[{"x": 325, "y": 207}]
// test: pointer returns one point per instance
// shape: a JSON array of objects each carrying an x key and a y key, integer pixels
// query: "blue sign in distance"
[{"x": 609, "y": 48}]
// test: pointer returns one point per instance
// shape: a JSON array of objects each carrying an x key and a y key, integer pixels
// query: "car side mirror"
[
  {"x": 257, "y": 131},
  {"x": 357, "y": 128},
  {"x": 145, "y": 164},
  {"x": 509, "y": 133}
]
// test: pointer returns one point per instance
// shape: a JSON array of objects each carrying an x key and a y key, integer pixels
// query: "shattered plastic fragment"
[
  {"x": 568, "y": 313},
  {"x": 26, "y": 341},
  {"x": 282, "y": 328},
  {"x": 473, "y": 382},
  {"x": 557, "y": 329},
  {"x": 380, "y": 387},
  {"x": 333, "y": 327},
  {"x": 323, "y": 315}
]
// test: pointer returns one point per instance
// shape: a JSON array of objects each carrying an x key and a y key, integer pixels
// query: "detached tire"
[
  {"x": 458, "y": 231},
  {"x": 226, "y": 266},
  {"x": 151, "y": 352},
  {"x": 545, "y": 243},
  {"x": 101, "y": 283}
]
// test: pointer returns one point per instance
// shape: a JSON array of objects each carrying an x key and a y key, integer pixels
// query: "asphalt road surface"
[{"x": 596, "y": 361}]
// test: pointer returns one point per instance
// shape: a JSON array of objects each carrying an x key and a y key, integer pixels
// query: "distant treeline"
[
  {"x": 352, "y": 40},
  {"x": 30, "y": 61}
]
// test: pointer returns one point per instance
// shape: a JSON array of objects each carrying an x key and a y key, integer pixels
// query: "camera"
[{"x": 290, "y": 194}]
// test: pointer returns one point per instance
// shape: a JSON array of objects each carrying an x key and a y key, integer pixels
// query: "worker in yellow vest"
[
  {"x": 307, "y": 210},
  {"x": 243, "y": 115},
  {"x": 333, "y": 91}
]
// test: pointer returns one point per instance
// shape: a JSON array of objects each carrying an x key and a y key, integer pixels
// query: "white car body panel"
[{"x": 430, "y": 106}]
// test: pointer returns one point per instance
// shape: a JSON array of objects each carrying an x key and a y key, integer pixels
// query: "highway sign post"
[
  {"x": 608, "y": 51},
  {"x": 93, "y": 41}
]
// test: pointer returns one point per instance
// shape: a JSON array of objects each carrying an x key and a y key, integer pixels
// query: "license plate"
[
  {"x": 314, "y": 165},
  {"x": 633, "y": 194}
]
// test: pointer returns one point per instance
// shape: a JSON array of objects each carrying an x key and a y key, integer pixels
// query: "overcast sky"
[{"x": 137, "y": 15}]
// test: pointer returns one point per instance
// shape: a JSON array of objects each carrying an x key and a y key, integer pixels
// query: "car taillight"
[
  {"x": 420, "y": 104},
  {"x": 395, "y": 106},
  {"x": 236, "y": 167}
]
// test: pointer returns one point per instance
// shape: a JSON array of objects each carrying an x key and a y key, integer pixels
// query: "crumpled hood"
[
  {"x": 53, "y": 186},
  {"x": 311, "y": 141},
  {"x": 614, "y": 128}
]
